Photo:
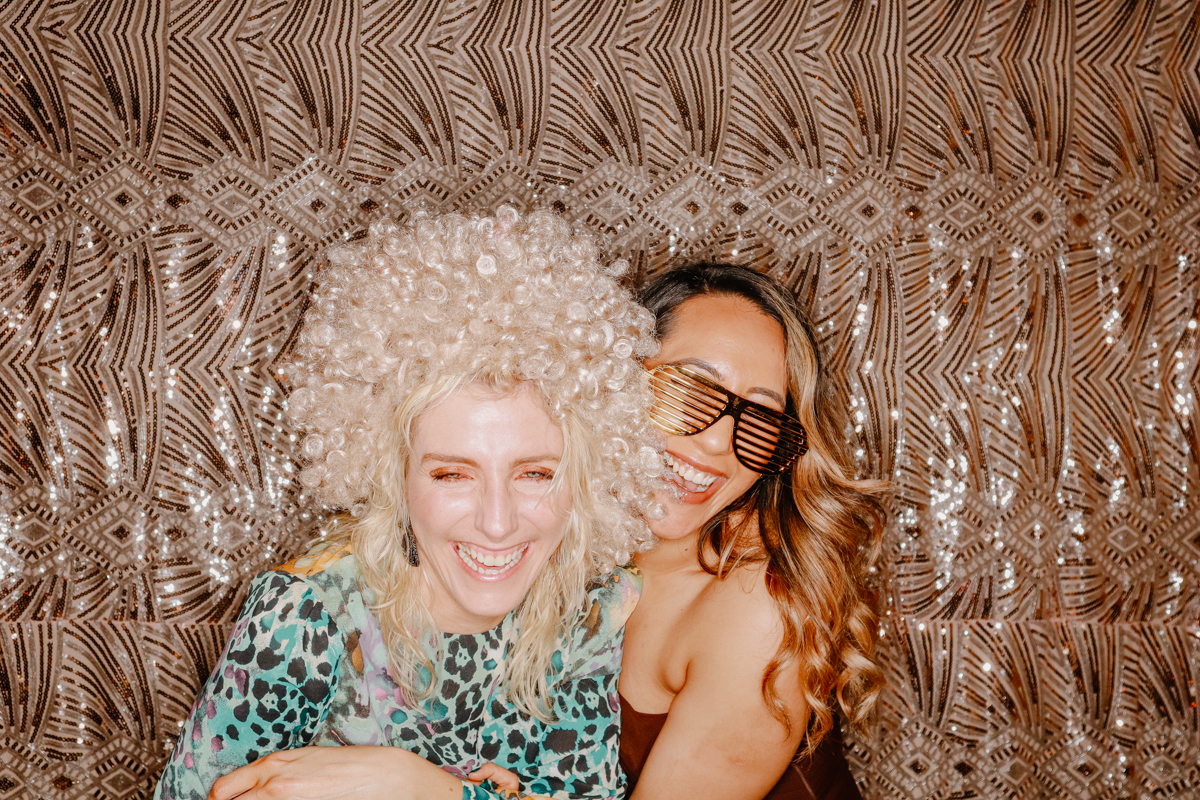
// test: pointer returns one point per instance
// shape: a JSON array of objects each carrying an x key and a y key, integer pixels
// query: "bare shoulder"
[
  {"x": 737, "y": 615},
  {"x": 720, "y": 730}
]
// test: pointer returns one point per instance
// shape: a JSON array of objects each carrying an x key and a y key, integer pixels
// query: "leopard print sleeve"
[{"x": 270, "y": 690}]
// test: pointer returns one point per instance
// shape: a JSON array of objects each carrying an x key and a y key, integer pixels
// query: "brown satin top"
[{"x": 824, "y": 776}]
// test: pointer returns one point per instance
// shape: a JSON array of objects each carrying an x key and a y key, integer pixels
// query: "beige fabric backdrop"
[{"x": 991, "y": 206}]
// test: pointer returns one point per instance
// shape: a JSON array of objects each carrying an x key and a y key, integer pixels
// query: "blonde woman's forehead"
[{"x": 486, "y": 423}]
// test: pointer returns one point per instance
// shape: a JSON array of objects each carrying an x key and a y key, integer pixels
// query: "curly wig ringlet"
[{"x": 404, "y": 319}]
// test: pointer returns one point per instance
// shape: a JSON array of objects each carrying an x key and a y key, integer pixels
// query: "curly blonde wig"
[{"x": 404, "y": 319}]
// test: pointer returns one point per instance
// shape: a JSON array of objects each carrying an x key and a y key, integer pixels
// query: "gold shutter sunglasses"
[{"x": 764, "y": 439}]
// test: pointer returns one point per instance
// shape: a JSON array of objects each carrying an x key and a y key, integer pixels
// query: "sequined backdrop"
[{"x": 991, "y": 208}]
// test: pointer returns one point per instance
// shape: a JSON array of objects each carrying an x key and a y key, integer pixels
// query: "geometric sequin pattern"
[{"x": 992, "y": 210}]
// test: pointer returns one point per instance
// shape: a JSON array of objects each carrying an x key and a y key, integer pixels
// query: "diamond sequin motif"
[
  {"x": 419, "y": 185},
  {"x": 311, "y": 201},
  {"x": 791, "y": 210},
  {"x": 668, "y": 205},
  {"x": 509, "y": 182},
  {"x": 1123, "y": 539},
  {"x": 607, "y": 197},
  {"x": 1087, "y": 767},
  {"x": 611, "y": 205},
  {"x": 963, "y": 213},
  {"x": 1077, "y": 762},
  {"x": 227, "y": 193},
  {"x": 31, "y": 189},
  {"x": 1129, "y": 224},
  {"x": 1028, "y": 213},
  {"x": 959, "y": 208},
  {"x": 1177, "y": 221},
  {"x": 1016, "y": 771},
  {"x": 855, "y": 210},
  {"x": 1162, "y": 768},
  {"x": 115, "y": 198},
  {"x": 788, "y": 204},
  {"x": 37, "y": 196},
  {"x": 102, "y": 532}
]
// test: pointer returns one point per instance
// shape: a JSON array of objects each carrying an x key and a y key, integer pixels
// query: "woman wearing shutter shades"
[{"x": 754, "y": 620}]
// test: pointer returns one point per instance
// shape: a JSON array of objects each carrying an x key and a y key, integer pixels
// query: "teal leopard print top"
[{"x": 306, "y": 664}]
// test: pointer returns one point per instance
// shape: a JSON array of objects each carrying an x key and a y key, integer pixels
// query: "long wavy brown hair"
[{"x": 816, "y": 526}]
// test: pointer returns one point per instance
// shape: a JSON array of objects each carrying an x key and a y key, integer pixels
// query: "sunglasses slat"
[
  {"x": 762, "y": 434},
  {"x": 700, "y": 409},
  {"x": 677, "y": 424},
  {"x": 766, "y": 440},
  {"x": 768, "y": 461},
  {"x": 786, "y": 433},
  {"x": 690, "y": 389},
  {"x": 766, "y": 435},
  {"x": 683, "y": 391},
  {"x": 754, "y": 446},
  {"x": 679, "y": 417},
  {"x": 761, "y": 454},
  {"x": 758, "y": 419},
  {"x": 682, "y": 410}
]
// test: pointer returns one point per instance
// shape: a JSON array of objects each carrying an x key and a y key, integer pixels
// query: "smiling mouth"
[
  {"x": 688, "y": 477},
  {"x": 487, "y": 564}
]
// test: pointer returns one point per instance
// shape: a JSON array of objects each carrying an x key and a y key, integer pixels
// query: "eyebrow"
[
  {"x": 453, "y": 459},
  {"x": 719, "y": 378}
]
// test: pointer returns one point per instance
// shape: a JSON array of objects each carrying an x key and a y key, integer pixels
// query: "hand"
[
  {"x": 326, "y": 773},
  {"x": 506, "y": 781}
]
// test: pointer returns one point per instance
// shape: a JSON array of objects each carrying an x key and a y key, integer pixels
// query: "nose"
[
  {"x": 497, "y": 513},
  {"x": 716, "y": 439}
]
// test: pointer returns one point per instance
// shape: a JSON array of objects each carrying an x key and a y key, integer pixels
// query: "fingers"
[
  {"x": 505, "y": 780},
  {"x": 251, "y": 776},
  {"x": 236, "y": 783}
]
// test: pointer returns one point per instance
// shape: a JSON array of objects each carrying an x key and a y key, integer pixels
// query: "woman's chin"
[
  {"x": 682, "y": 519},
  {"x": 474, "y": 600},
  {"x": 476, "y": 612}
]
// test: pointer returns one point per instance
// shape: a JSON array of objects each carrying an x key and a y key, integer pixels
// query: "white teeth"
[
  {"x": 488, "y": 563},
  {"x": 689, "y": 473}
]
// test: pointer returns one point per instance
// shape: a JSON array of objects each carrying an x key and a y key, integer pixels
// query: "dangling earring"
[{"x": 410, "y": 547}]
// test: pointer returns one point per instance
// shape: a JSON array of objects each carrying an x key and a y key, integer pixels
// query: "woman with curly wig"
[
  {"x": 472, "y": 396},
  {"x": 754, "y": 619}
]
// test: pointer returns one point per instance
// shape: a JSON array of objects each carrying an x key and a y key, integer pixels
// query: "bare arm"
[
  {"x": 358, "y": 772},
  {"x": 325, "y": 773},
  {"x": 720, "y": 740}
]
